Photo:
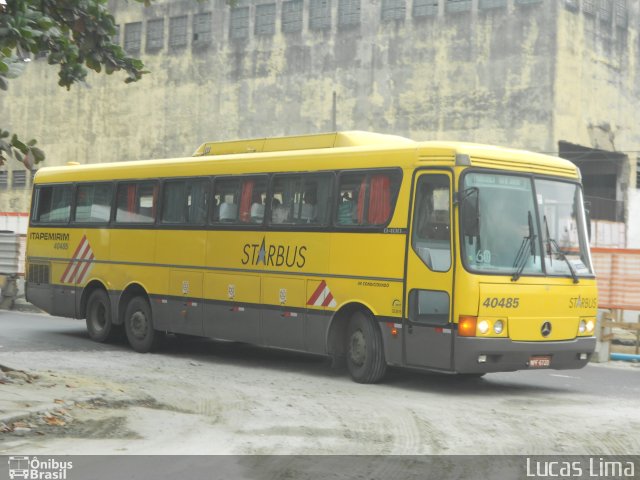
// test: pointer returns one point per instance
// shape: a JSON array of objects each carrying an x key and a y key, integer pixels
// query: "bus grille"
[{"x": 38, "y": 273}]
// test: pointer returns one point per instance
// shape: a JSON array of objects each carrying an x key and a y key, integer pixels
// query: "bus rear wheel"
[
  {"x": 99, "y": 323},
  {"x": 365, "y": 351},
  {"x": 138, "y": 324}
]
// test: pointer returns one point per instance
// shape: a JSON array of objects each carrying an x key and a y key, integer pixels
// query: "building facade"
[{"x": 555, "y": 76}]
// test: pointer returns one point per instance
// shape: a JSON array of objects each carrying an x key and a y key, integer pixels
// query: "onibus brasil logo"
[{"x": 35, "y": 469}]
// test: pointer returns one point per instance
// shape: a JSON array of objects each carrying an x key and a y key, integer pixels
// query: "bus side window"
[
  {"x": 252, "y": 199},
  {"x": 136, "y": 202},
  {"x": 173, "y": 210},
  {"x": 185, "y": 201},
  {"x": 196, "y": 201},
  {"x": 236, "y": 199},
  {"x": 367, "y": 198},
  {"x": 301, "y": 199},
  {"x": 430, "y": 237},
  {"x": 52, "y": 204},
  {"x": 93, "y": 203}
]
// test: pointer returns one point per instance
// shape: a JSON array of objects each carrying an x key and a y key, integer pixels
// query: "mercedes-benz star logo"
[{"x": 546, "y": 329}]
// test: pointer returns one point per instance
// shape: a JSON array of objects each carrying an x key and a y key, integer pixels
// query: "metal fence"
[{"x": 9, "y": 253}]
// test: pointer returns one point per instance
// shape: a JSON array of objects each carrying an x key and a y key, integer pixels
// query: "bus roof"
[
  {"x": 353, "y": 138},
  {"x": 338, "y": 146},
  {"x": 483, "y": 155}
]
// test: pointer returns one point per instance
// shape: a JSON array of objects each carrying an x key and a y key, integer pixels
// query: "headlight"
[
  {"x": 590, "y": 326},
  {"x": 582, "y": 327},
  {"x": 498, "y": 327},
  {"x": 483, "y": 326}
]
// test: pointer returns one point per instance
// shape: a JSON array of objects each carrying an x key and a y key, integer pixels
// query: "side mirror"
[
  {"x": 587, "y": 218},
  {"x": 470, "y": 212}
]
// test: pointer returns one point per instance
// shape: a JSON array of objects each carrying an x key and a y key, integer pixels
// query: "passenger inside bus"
[
  {"x": 345, "y": 210},
  {"x": 228, "y": 211},
  {"x": 279, "y": 213},
  {"x": 257, "y": 208},
  {"x": 308, "y": 210}
]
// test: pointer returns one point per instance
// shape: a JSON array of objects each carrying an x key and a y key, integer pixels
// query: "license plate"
[{"x": 540, "y": 362}]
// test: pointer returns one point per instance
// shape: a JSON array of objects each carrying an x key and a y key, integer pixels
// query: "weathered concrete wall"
[
  {"x": 597, "y": 80},
  {"x": 598, "y": 89},
  {"x": 484, "y": 75}
]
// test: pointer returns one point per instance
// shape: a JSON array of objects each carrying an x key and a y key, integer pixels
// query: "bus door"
[{"x": 427, "y": 329}]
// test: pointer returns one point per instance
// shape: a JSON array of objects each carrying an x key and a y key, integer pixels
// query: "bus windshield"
[{"x": 505, "y": 232}]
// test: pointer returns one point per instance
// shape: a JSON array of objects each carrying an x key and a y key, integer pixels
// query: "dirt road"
[{"x": 205, "y": 397}]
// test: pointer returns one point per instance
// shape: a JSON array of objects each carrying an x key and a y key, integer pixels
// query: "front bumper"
[{"x": 505, "y": 355}]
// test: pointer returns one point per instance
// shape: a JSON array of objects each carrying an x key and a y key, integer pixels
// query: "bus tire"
[
  {"x": 364, "y": 349},
  {"x": 99, "y": 321},
  {"x": 138, "y": 325}
]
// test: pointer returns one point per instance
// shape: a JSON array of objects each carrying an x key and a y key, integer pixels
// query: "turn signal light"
[{"x": 467, "y": 326}]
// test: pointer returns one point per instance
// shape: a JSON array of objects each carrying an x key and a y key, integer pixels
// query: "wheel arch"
[
  {"x": 337, "y": 331},
  {"x": 88, "y": 289},
  {"x": 132, "y": 290}
]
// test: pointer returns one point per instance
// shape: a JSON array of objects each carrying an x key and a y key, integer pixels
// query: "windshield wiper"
[
  {"x": 527, "y": 247},
  {"x": 562, "y": 255}
]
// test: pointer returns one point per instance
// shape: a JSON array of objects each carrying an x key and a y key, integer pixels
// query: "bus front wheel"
[
  {"x": 99, "y": 324},
  {"x": 138, "y": 325},
  {"x": 365, "y": 351}
]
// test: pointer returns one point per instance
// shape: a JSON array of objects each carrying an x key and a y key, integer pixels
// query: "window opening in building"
[
  {"x": 265, "y": 19},
  {"x": 605, "y": 10},
  {"x": 527, "y": 2},
  {"x": 320, "y": 14},
  {"x": 292, "y": 16},
  {"x": 589, "y": 7},
  {"x": 393, "y": 10},
  {"x": 19, "y": 178},
  {"x": 425, "y": 8},
  {"x": 489, "y": 4},
  {"x": 202, "y": 30},
  {"x": 178, "y": 32},
  {"x": 132, "y": 37},
  {"x": 239, "y": 23},
  {"x": 455, "y": 6},
  {"x": 155, "y": 35},
  {"x": 348, "y": 13},
  {"x": 622, "y": 14}
]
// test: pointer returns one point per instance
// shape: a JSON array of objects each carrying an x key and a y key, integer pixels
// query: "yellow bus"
[{"x": 372, "y": 249}]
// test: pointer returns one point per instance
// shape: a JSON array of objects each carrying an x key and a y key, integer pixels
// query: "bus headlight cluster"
[
  {"x": 498, "y": 327},
  {"x": 491, "y": 327},
  {"x": 483, "y": 327},
  {"x": 586, "y": 326}
]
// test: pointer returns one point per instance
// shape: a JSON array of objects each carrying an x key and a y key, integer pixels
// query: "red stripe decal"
[
  {"x": 83, "y": 272},
  {"x": 78, "y": 264},
  {"x": 316, "y": 294},
  {"x": 327, "y": 300},
  {"x": 71, "y": 262}
]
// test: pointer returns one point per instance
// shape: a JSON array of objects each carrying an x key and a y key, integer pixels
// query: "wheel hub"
[
  {"x": 99, "y": 316},
  {"x": 139, "y": 324},
  {"x": 358, "y": 348}
]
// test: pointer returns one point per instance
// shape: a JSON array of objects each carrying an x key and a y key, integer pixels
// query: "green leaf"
[
  {"x": 38, "y": 154},
  {"x": 18, "y": 144},
  {"x": 4, "y": 68}
]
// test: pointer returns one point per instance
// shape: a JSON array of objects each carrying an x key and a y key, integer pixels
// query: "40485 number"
[{"x": 503, "y": 302}]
